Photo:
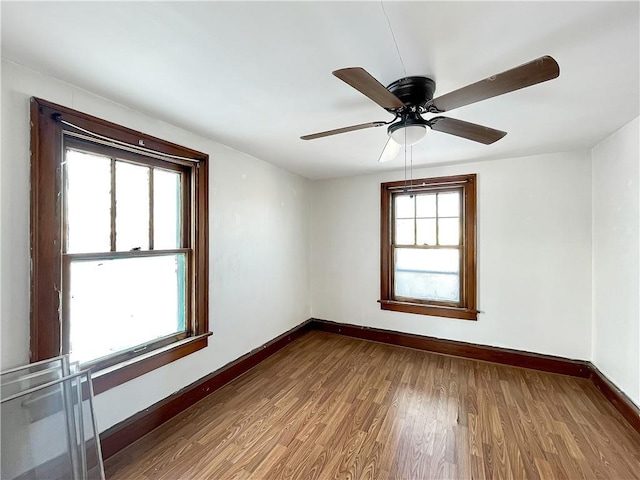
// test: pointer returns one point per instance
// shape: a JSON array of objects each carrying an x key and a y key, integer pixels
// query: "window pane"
[
  {"x": 427, "y": 274},
  {"x": 426, "y": 231},
  {"x": 449, "y": 204},
  {"x": 449, "y": 231},
  {"x": 88, "y": 202},
  {"x": 404, "y": 232},
  {"x": 404, "y": 206},
  {"x": 120, "y": 303},
  {"x": 166, "y": 209},
  {"x": 426, "y": 205},
  {"x": 132, "y": 206}
]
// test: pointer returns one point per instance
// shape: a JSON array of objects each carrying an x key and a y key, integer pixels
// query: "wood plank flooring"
[{"x": 329, "y": 406}]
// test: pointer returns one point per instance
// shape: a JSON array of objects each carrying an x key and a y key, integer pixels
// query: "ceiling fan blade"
[
  {"x": 342, "y": 130},
  {"x": 470, "y": 131},
  {"x": 390, "y": 151},
  {"x": 537, "y": 71},
  {"x": 362, "y": 81}
]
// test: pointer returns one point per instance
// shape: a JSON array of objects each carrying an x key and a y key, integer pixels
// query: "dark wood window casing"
[
  {"x": 51, "y": 134},
  {"x": 465, "y": 308}
]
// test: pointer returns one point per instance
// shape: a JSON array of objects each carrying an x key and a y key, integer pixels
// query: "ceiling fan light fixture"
[
  {"x": 409, "y": 135},
  {"x": 410, "y": 97}
]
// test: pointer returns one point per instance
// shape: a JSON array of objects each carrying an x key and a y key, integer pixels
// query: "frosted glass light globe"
[{"x": 409, "y": 135}]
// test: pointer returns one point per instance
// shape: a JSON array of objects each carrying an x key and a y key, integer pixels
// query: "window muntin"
[{"x": 428, "y": 247}]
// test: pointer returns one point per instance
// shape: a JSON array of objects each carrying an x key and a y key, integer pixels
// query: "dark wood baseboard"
[
  {"x": 505, "y": 356},
  {"x": 617, "y": 398},
  {"x": 123, "y": 434},
  {"x": 135, "y": 427}
]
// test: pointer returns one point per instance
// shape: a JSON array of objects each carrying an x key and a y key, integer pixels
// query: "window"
[
  {"x": 119, "y": 246},
  {"x": 428, "y": 239}
]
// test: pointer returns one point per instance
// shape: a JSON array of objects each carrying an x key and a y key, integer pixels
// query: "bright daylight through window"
[
  {"x": 119, "y": 246},
  {"x": 141, "y": 295},
  {"x": 428, "y": 247}
]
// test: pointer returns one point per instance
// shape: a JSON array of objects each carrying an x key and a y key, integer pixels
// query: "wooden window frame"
[
  {"x": 466, "y": 308},
  {"x": 49, "y": 331}
]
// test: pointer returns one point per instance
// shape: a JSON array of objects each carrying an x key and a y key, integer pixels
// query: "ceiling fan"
[{"x": 410, "y": 97}]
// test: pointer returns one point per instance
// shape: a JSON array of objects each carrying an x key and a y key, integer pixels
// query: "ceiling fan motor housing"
[
  {"x": 413, "y": 91},
  {"x": 410, "y": 97}
]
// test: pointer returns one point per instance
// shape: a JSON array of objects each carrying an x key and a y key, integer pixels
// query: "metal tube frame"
[{"x": 78, "y": 458}]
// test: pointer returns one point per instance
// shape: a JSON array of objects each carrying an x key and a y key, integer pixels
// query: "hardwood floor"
[{"x": 329, "y": 406}]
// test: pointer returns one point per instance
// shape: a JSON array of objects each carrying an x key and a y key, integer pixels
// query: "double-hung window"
[
  {"x": 119, "y": 246},
  {"x": 428, "y": 238}
]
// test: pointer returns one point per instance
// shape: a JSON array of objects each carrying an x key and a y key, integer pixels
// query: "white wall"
[
  {"x": 616, "y": 259},
  {"x": 534, "y": 247},
  {"x": 259, "y": 239},
  {"x": 534, "y": 255}
]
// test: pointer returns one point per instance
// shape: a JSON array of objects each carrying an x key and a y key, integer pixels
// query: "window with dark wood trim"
[
  {"x": 428, "y": 247},
  {"x": 119, "y": 245}
]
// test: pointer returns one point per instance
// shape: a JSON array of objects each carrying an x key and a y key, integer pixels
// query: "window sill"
[
  {"x": 432, "y": 310},
  {"x": 123, "y": 372}
]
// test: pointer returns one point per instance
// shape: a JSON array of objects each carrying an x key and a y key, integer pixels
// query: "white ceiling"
[{"x": 256, "y": 76}]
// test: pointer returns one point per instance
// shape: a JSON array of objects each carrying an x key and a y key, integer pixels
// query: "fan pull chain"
[
  {"x": 405, "y": 159},
  {"x": 411, "y": 166}
]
